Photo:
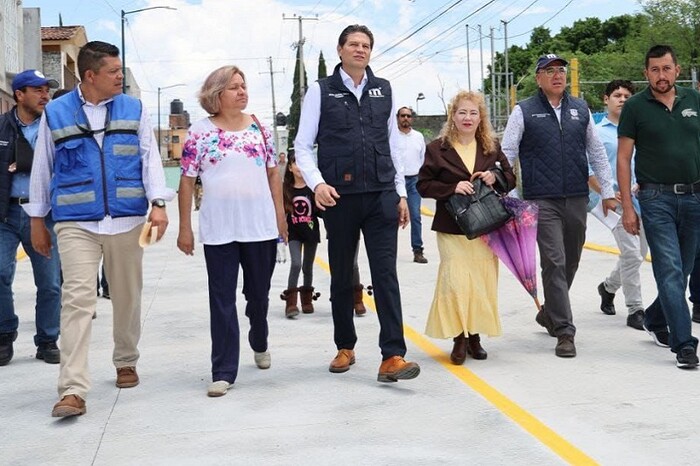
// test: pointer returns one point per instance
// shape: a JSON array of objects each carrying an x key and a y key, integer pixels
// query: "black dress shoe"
[
  {"x": 565, "y": 346},
  {"x": 696, "y": 313},
  {"x": 543, "y": 319},
  {"x": 606, "y": 300},
  {"x": 636, "y": 320},
  {"x": 474, "y": 347},
  {"x": 6, "y": 349},
  {"x": 49, "y": 352},
  {"x": 459, "y": 350}
]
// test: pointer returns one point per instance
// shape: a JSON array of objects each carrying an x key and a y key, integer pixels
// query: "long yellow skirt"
[{"x": 466, "y": 292}]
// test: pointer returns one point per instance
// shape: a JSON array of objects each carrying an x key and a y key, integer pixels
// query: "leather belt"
[
  {"x": 678, "y": 188},
  {"x": 19, "y": 200}
]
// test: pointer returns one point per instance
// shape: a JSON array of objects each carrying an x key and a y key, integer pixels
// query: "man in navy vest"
[
  {"x": 553, "y": 135},
  {"x": 97, "y": 168},
  {"x": 359, "y": 184},
  {"x": 18, "y": 134}
]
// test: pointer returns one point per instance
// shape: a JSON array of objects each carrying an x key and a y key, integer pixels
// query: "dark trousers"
[
  {"x": 376, "y": 215},
  {"x": 694, "y": 285},
  {"x": 561, "y": 232},
  {"x": 257, "y": 260}
]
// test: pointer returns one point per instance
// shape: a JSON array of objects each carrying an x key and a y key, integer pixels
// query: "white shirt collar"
[{"x": 349, "y": 82}]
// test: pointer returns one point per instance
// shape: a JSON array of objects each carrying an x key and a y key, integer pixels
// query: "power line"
[
  {"x": 401, "y": 41},
  {"x": 439, "y": 35}
]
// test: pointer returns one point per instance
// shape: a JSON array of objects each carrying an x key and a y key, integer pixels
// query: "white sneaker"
[
  {"x": 262, "y": 360},
  {"x": 218, "y": 388}
]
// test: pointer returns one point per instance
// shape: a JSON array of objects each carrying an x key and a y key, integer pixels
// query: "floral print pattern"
[{"x": 208, "y": 147}]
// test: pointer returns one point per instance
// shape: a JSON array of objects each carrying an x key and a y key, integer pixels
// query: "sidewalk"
[{"x": 621, "y": 401}]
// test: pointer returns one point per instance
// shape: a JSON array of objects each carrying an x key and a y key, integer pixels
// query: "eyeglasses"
[
  {"x": 406, "y": 116},
  {"x": 87, "y": 129},
  {"x": 552, "y": 70}
]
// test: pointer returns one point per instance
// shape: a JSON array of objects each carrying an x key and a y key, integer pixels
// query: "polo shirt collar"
[{"x": 679, "y": 94}]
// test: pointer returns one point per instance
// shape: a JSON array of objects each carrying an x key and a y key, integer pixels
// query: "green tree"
[
  {"x": 322, "y": 73},
  {"x": 295, "y": 107},
  {"x": 675, "y": 22}
]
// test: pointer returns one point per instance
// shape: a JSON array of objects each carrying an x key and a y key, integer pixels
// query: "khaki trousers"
[{"x": 81, "y": 252}]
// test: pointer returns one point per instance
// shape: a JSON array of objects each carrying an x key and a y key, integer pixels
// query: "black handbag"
[{"x": 478, "y": 213}]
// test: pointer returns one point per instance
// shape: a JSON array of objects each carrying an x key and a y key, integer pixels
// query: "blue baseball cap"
[
  {"x": 32, "y": 78},
  {"x": 545, "y": 60}
]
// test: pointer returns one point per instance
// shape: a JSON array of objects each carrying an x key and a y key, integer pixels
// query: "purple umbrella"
[{"x": 514, "y": 243}]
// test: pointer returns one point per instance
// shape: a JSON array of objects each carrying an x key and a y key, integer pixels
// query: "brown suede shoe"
[
  {"x": 342, "y": 361},
  {"x": 127, "y": 377},
  {"x": 70, "y": 405},
  {"x": 397, "y": 368},
  {"x": 459, "y": 350}
]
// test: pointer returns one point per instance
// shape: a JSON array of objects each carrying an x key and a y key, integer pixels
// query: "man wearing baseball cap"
[
  {"x": 18, "y": 134},
  {"x": 554, "y": 137}
]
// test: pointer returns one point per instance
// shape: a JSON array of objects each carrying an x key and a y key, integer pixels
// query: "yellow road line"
[
  {"x": 558, "y": 444},
  {"x": 21, "y": 254}
]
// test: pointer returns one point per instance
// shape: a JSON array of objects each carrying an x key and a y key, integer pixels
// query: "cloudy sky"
[{"x": 416, "y": 51}]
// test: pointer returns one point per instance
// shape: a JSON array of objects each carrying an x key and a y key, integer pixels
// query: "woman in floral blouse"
[{"x": 240, "y": 218}]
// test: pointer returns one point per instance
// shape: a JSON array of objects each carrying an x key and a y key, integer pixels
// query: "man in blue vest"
[
  {"x": 552, "y": 133},
  {"x": 359, "y": 185},
  {"x": 97, "y": 168},
  {"x": 18, "y": 134}
]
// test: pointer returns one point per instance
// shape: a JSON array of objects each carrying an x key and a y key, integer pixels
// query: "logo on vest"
[
  {"x": 4, "y": 143},
  {"x": 574, "y": 113},
  {"x": 375, "y": 92},
  {"x": 689, "y": 112},
  {"x": 540, "y": 115},
  {"x": 339, "y": 95},
  {"x": 347, "y": 177}
]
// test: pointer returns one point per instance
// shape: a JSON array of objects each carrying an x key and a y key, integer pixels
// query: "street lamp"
[
  {"x": 419, "y": 97},
  {"x": 124, "y": 13},
  {"x": 161, "y": 89}
]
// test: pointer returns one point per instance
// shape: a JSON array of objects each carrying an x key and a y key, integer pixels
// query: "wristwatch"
[{"x": 158, "y": 203}]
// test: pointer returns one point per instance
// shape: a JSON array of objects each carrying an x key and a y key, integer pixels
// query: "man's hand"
[
  {"x": 159, "y": 218},
  {"x": 185, "y": 241},
  {"x": 403, "y": 212},
  {"x": 609, "y": 205},
  {"x": 630, "y": 220},
  {"x": 325, "y": 196},
  {"x": 41, "y": 238}
]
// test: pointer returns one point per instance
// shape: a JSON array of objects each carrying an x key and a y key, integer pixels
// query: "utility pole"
[
  {"x": 274, "y": 108},
  {"x": 300, "y": 46},
  {"x": 505, "y": 36},
  {"x": 493, "y": 82},
  {"x": 481, "y": 59},
  {"x": 469, "y": 70}
]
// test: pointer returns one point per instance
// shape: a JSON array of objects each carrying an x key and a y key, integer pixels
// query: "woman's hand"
[
  {"x": 487, "y": 177},
  {"x": 185, "y": 241},
  {"x": 464, "y": 187}
]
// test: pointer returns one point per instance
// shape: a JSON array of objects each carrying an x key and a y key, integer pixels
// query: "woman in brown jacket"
[{"x": 465, "y": 303}]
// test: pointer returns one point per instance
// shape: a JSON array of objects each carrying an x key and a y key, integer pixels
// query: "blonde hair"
[
  {"x": 484, "y": 132},
  {"x": 214, "y": 86}
]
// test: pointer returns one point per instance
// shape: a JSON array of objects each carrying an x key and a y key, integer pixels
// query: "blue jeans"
[
  {"x": 694, "y": 284},
  {"x": 672, "y": 224},
  {"x": 47, "y": 276},
  {"x": 414, "y": 211}
]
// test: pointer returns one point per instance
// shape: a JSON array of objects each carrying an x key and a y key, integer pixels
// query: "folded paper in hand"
[{"x": 149, "y": 235}]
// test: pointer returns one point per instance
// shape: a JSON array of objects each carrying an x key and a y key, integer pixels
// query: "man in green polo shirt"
[{"x": 663, "y": 125}]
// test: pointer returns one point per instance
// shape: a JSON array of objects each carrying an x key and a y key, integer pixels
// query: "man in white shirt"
[
  {"x": 359, "y": 185},
  {"x": 411, "y": 149},
  {"x": 96, "y": 168}
]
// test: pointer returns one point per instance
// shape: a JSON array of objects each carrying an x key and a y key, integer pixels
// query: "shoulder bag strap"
[{"x": 260, "y": 128}]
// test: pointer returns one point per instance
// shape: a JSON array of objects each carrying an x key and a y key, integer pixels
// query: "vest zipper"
[
  {"x": 364, "y": 145},
  {"x": 104, "y": 178}
]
